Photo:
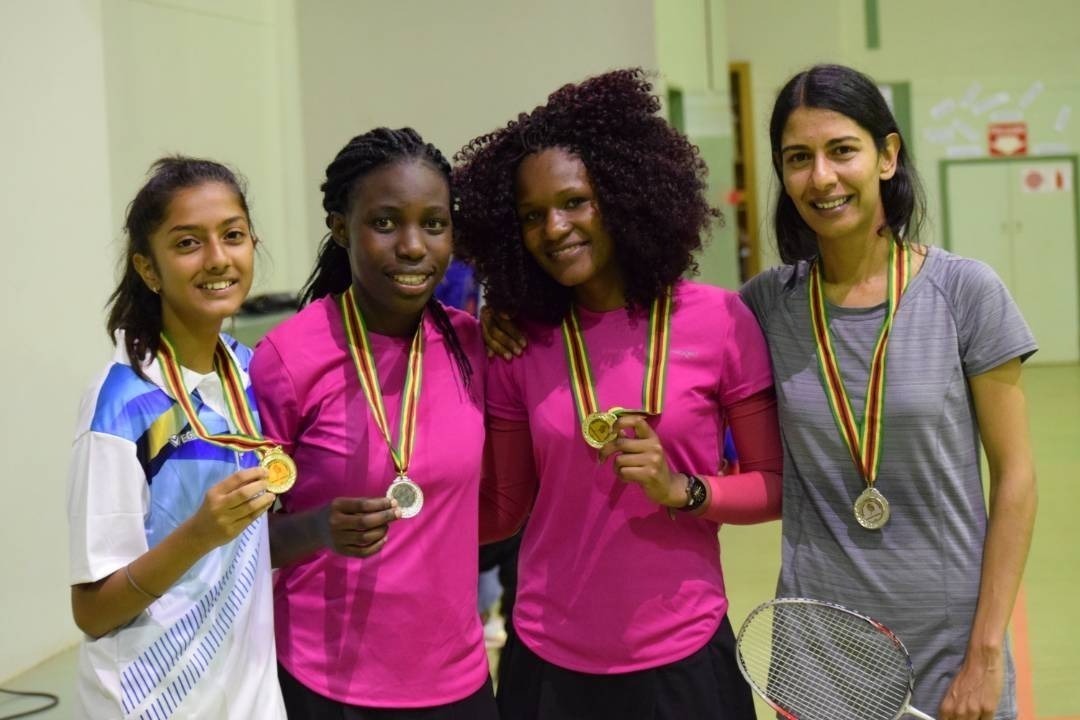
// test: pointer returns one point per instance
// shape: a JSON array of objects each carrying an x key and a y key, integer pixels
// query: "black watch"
[{"x": 696, "y": 494}]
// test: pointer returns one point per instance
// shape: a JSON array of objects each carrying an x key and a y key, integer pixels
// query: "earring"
[{"x": 153, "y": 288}]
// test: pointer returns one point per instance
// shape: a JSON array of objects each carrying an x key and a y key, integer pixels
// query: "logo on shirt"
[{"x": 178, "y": 440}]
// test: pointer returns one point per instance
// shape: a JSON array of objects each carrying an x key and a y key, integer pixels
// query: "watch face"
[{"x": 696, "y": 493}]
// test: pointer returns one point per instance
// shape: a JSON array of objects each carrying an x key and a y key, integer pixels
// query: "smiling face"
[
  {"x": 397, "y": 231},
  {"x": 832, "y": 171},
  {"x": 560, "y": 221},
  {"x": 201, "y": 259}
]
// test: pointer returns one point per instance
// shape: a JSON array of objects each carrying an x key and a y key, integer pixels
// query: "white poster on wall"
[{"x": 1049, "y": 177}]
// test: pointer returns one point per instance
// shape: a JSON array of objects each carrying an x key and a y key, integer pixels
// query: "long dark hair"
[
  {"x": 133, "y": 307},
  {"x": 854, "y": 95},
  {"x": 361, "y": 155}
]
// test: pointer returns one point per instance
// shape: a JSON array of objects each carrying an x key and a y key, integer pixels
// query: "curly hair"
[{"x": 650, "y": 184}]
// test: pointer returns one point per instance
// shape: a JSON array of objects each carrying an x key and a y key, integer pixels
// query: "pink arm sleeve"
[
  {"x": 753, "y": 494},
  {"x": 509, "y": 483}
]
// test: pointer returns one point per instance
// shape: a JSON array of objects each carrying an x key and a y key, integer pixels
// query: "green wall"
[
  {"x": 691, "y": 50},
  {"x": 963, "y": 52}
]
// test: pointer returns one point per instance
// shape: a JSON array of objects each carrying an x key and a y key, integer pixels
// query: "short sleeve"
[
  {"x": 745, "y": 367},
  {"x": 108, "y": 499},
  {"x": 503, "y": 390},
  {"x": 759, "y": 293},
  {"x": 990, "y": 328},
  {"x": 275, "y": 395}
]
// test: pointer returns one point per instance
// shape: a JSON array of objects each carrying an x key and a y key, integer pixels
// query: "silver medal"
[
  {"x": 409, "y": 496},
  {"x": 871, "y": 509}
]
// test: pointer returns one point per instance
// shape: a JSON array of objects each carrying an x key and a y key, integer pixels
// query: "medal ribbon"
[
  {"x": 363, "y": 359},
  {"x": 236, "y": 400},
  {"x": 863, "y": 439},
  {"x": 582, "y": 382}
]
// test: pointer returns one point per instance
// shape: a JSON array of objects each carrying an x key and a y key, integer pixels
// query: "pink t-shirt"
[
  {"x": 608, "y": 581},
  {"x": 400, "y": 628}
]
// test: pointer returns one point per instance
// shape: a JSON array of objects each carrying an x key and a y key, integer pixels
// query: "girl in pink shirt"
[
  {"x": 376, "y": 390},
  {"x": 607, "y": 432}
]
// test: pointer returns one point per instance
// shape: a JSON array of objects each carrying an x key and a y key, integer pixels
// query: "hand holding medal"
[
  {"x": 357, "y": 527},
  {"x": 597, "y": 426},
  {"x": 640, "y": 459},
  {"x": 231, "y": 505}
]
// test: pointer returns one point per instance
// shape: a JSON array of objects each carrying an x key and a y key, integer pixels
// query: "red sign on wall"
[{"x": 1007, "y": 138}]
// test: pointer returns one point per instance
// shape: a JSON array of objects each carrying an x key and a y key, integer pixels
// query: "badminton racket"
[{"x": 813, "y": 660}]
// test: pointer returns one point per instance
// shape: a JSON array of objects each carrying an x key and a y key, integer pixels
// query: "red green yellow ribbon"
[
  {"x": 249, "y": 438},
  {"x": 364, "y": 360},
  {"x": 582, "y": 381},
  {"x": 863, "y": 438}
]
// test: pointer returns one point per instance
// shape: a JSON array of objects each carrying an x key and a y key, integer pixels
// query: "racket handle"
[{"x": 916, "y": 713}]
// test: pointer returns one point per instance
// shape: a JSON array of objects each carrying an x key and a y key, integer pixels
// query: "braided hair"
[
  {"x": 133, "y": 307},
  {"x": 363, "y": 154}
]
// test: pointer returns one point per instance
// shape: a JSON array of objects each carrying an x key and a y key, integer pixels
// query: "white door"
[{"x": 1019, "y": 216}]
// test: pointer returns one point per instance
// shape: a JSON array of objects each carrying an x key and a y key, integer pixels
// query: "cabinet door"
[
  {"x": 1044, "y": 276},
  {"x": 1029, "y": 238},
  {"x": 978, "y": 215}
]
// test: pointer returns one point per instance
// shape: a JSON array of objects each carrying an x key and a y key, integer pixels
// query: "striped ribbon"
[
  {"x": 582, "y": 381},
  {"x": 236, "y": 400},
  {"x": 364, "y": 360},
  {"x": 863, "y": 438}
]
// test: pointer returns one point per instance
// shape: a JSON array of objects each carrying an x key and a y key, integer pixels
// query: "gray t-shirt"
[{"x": 919, "y": 574}]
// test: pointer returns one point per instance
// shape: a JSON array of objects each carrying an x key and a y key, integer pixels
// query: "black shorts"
[
  {"x": 705, "y": 686},
  {"x": 303, "y": 703}
]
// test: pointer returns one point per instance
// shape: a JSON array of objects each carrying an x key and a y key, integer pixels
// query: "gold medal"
[
  {"x": 409, "y": 496},
  {"x": 599, "y": 428},
  {"x": 871, "y": 509},
  {"x": 281, "y": 470}
]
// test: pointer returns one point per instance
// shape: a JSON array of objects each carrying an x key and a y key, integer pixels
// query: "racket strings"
[{"x": 820, "y": 663}]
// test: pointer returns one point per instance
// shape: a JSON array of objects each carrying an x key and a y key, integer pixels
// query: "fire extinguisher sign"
[{"x": 1007, "y": 139}]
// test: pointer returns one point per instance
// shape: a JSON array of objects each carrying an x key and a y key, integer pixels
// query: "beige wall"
[
  {"x": 54, "y": 205},
  {"x": 215, "y": 79},
  {"x": 452, "y": 70}
]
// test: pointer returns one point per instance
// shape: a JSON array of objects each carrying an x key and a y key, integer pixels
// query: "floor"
[{"x": 1044, "y": 639}]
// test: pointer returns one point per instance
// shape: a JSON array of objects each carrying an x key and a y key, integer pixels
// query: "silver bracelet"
[{"x": 131, "y": 580}]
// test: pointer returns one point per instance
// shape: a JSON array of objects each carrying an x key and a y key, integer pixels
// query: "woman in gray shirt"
[{"x": 893, "y": 361}]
